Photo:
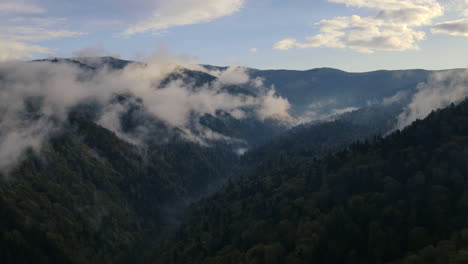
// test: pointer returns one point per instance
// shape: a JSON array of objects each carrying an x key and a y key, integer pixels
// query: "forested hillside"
[
  {"x": 233, "y": 132},
  {"x": 400, "y": 199},
  {"x": 90, "y": 197},
  {"x": 324, "y": 137},
  {"x": 108, "y": 161},
  {"x": 338, "y": 88}
]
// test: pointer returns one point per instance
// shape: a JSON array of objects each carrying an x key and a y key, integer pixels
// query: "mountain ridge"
[
  {"x": 93, "y": 194},
  {"x": 396, "y": 199},
  {"x": 110, "y": 59}
]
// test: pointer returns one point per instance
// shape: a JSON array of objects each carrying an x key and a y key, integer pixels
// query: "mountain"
[
  {"x": 248, "y": 131},
  {"x": 90, "y": 197},
  {"x": 101, "y": 62},
  {"x": 397, "y": 199},
  {"x": 313, "y": 94},
  {"x": 91, "y": 194},
  {"x": 337, "y": 89},
  {"x": 325, "y": 137},
  {"x": 110, "y": 181}
]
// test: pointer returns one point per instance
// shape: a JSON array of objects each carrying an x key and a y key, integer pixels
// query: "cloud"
[
  {"x": 394, "y": 28},
  {"x": 19, "y": 8},
  {"x": 18, "y": 33},
  {"x": 441, "y": 89},
  {"x": 456, "y": 5},
  {"x": 14, "y": 50},
  {"x": 32, "y": 96},
  {"x": 23, "y": 33},
  {"x": 455, "y": 28},
  {"x": 286, "y": 44},
  {"x": 174, "y": 13},
  {"x": 233, "y": 75},
  {"x": 274, "y": 107},
  {"x": 398, "y": 97},
  {"x": 253, "y": 50},
  {"x": 14, "y": 41},
  {"x": 324, "y": 110},
  {"x": 340, "y": 111},
  {"x": 36, "y": 98}
]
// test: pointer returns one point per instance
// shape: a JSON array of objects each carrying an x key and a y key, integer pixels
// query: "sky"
[{"x": 352, "y": 35}]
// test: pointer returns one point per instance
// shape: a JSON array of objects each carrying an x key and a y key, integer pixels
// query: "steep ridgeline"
[
  {"x": 92, "y": 63},
  {"x": 335, "y": 89},
  {"x": 95, "y": 196},
  {"x": 90, "y": 197},
  {"x": 400, "y": 199},
  {"x": 321, "y": 138},
  {"x": 249, "y": 131}
]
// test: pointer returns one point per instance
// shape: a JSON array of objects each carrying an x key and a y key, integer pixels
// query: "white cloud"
[
  {"x": 14, "y": 41},
  {"x": 186, "y": 12},
  {"x": 323, "y": 110},
  {"x": 441, "y": 89},
  {"x": 398, "y": 97},
  {"x": 340, "y": 111},
  {"x": 17, "y": 33},
  {"x": 57, "y": 88},
  {"x": 455, "y": 28},
  {"x": 394, "y": 28},
  {"x": 19, "y": 8},
  {"x": 232, "y": 76},
  {"x": 29, "y": 33},
  {"x": 285, "y": 44},
  {"x": 409, "y": 12},
  {"x": 14, "y": 50}
]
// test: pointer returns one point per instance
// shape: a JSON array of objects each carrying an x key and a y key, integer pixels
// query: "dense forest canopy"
[
  {"x": 399, "y": 199},
  {"x": 246, "y": 166}
]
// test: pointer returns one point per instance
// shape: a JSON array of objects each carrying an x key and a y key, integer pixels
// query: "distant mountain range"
[{"x": 325, "y": 87}]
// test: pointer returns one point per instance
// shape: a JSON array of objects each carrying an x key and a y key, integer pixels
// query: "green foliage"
[
  {"x": 90, "y": 197},
  {"x": 401, "y": 197}
]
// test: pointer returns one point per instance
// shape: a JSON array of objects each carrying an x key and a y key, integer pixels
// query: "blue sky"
[{"x": 353, "y": 35}]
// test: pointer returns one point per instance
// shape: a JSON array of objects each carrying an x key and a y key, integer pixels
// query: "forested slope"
[
  {"x": 401, "y": 199},
  {"x": 324, "y": 137},
  {"x": 90, "y": 197}
]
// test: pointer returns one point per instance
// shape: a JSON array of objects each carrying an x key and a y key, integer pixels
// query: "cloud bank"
[
  {"x": 457, "y": 27},
  {"x": 36, "y": 98},
  {"x": 15, "y": 50},
  {"x": 19, "y": 35},
  {"x": 442, "y": 89},
  {"x": 395, "y": 27}
]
